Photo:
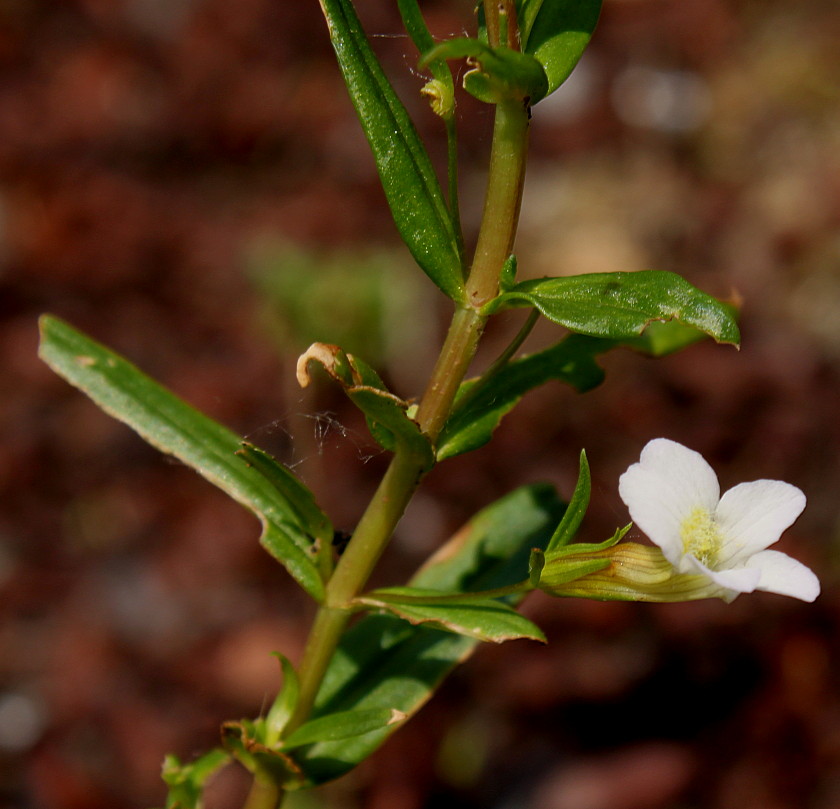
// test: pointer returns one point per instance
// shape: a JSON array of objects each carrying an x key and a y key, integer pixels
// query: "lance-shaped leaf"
[
  {"x": 481, "y": 618},
  {"x": 386, "y": 414},
  {"x": 621, "y": 305},
  {"x": 408, "y": 178},
  {"x": 385, "y": 662},
  {"x": 299, "y": 499},
  {"x": 343, "y": 725},
  {"x": 557, "y": 32},
  {"x": 480, "y": 407},
  {"x": 171, "y": 425}
]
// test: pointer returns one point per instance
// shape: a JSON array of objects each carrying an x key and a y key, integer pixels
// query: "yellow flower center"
[{"x": 701, "y": 537}]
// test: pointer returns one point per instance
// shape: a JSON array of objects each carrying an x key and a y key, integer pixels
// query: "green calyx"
[{"x": 622, "y": 572}]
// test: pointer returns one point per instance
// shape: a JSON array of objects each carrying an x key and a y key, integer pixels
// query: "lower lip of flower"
[{"x": 701, "y": 537}]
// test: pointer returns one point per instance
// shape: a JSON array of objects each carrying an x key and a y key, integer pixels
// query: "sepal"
[
  {"x": 576, "y": 509},
  {"x": 621, "y": 572},
  {"x": 536, "y": 563},
  {"x": 284, "y": 704}
]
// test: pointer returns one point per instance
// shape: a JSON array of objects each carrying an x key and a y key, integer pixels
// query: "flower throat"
[{"x": 700, "y": 536}]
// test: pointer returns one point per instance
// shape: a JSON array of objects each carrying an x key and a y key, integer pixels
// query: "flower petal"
[
  {"x": 734, "y": 580},
  {"x": 660, "y": 491},
  {"x": 785, "y": 576},
  {"x": 753, "y": 515}
]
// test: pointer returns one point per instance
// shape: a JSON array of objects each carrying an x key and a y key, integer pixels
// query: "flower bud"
[{"x": 441, "y": 98}]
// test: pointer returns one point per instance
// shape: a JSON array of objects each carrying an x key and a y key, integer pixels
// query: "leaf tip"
[{"x": 326, "y": 355}]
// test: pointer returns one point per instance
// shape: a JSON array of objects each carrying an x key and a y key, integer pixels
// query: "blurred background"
[{"x": 186, "y": 181}]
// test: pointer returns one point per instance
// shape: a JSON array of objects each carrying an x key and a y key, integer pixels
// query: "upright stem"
[
  {"x": 451, "y": 367},
  {"x": 502, "y": 203},
  {"x": 264, "y": 794},
  {"x": 352, "y": 571},
  {"x": 374, "y": 529},
  {"x": 495, "y": 242}
]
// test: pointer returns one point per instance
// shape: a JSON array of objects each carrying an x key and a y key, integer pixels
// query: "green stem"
[
  {"x": 500, "y": 362},
  {"x": 351, "y": 573},
  {"x": 502, "y": 203},
  {"x": 501, "y": 23},
  {"x": 326, "y": 630},
  {"x": 264, "y": 794},
  {"x": 495, "y": 242},
  {"x": 456, "y": 354},
  {"x": 374, "y": 529},
  {"x": 505, "y": 357}
]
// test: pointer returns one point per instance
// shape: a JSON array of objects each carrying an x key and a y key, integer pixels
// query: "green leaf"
[
  {"x": 660, "y": 339},
  {"x": 502, "y": 73},
  {"x": 481, "y": 404},
  {"x": 386, "y": 414},
  {"x": 408, "y": 178},
  {"x": 186, "y": 781},
  {"x": 284, "y": 704},
  {"x": 299, "y": 500},
  {"x": 478, "y": 410},
  {"x": 343, "y": 725},
  {"x": 620, "y": 305},
  {"x": 576, "y": 509},
  {"x": 484, "y": 619},
  {"x": 171, "y": 425},
  {"x": 557, "y": 32},
  {"x": 385, "y": 662}
]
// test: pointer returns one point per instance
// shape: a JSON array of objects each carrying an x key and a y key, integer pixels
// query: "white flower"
[{"x": 674, "y": 497}]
